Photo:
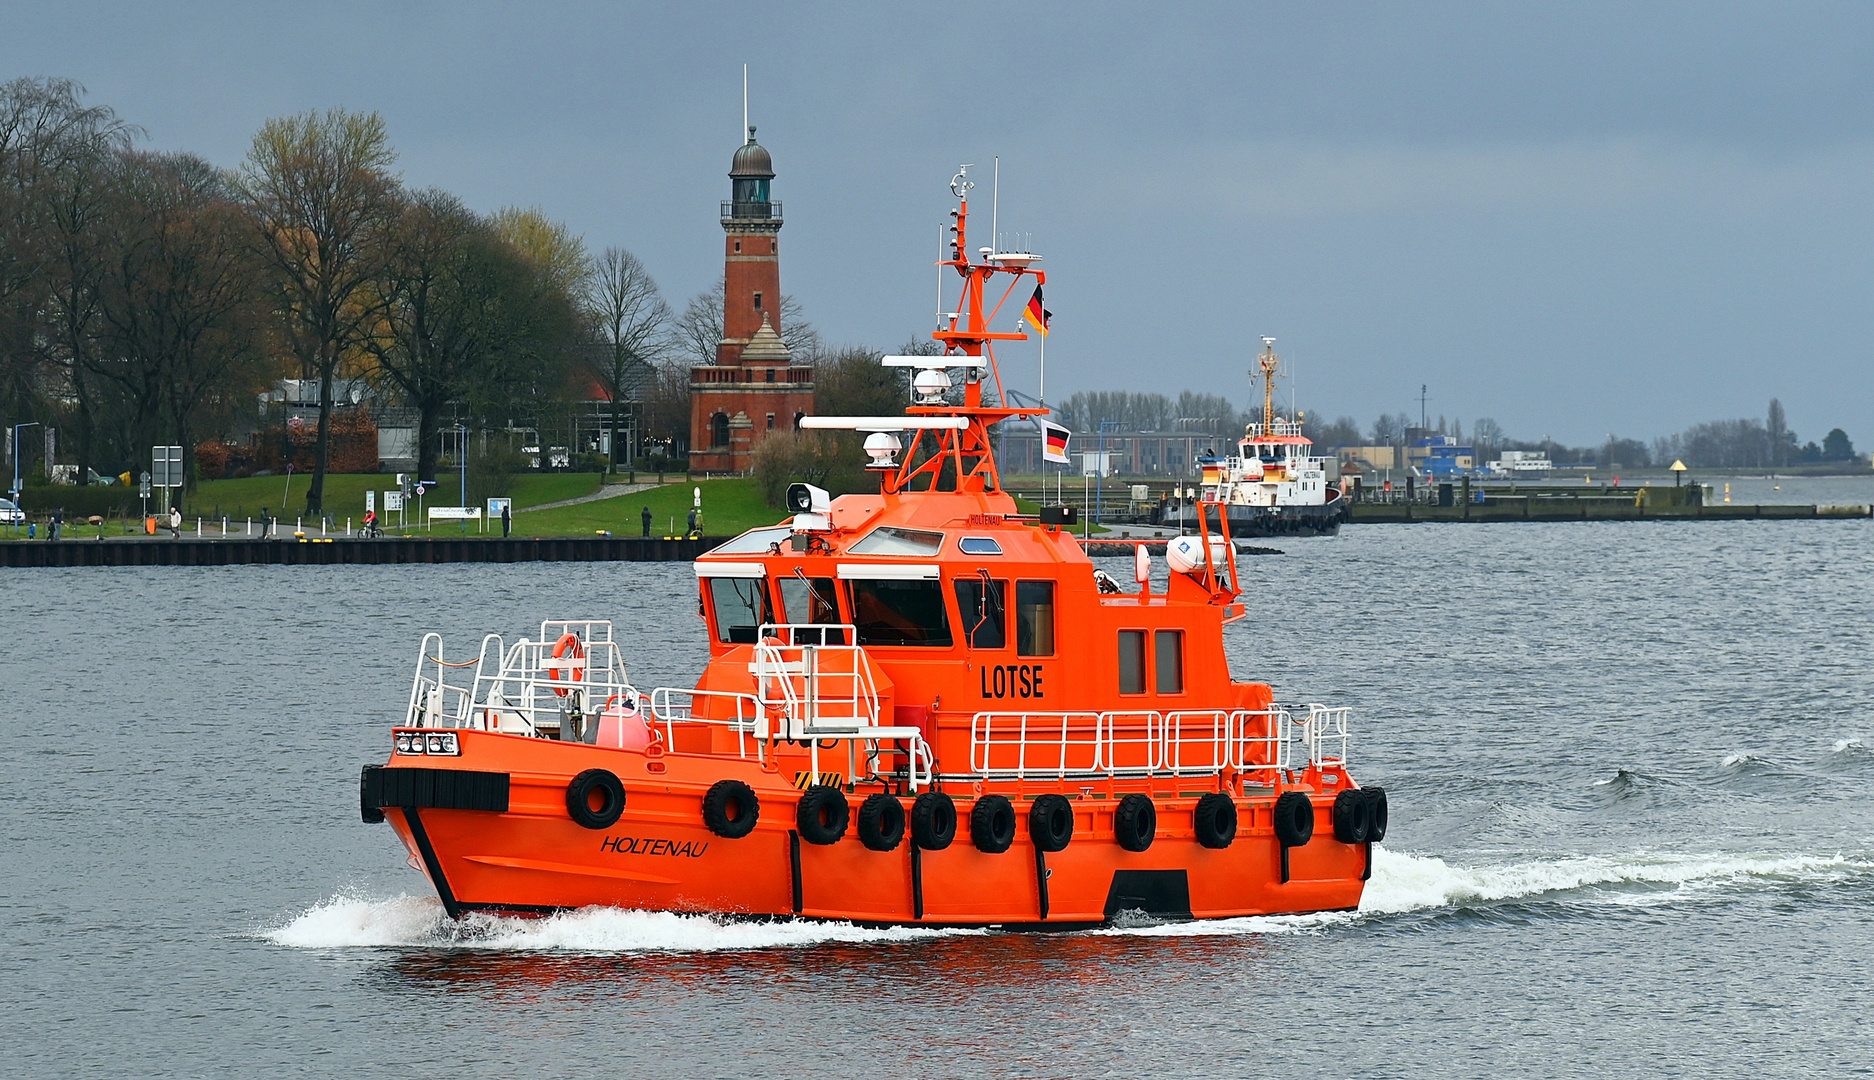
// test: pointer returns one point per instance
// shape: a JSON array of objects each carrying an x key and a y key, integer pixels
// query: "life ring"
[
  {"x": 881, "y": 822},
  {"x": 1353, "y": 817},
  {"x": 1215, "y": 820},
  {"x": 822, "y": 814},
  {"x": 1294, "y": 819},
  {"x": 1375, "y": 813},
  {"x": 992, "y": 824},
  {"x": 730, "y": 809},
  {"x": 934, "y": 821},
  {"x": 567, "y": 647},
  {"x": 1135, "y": 823},
  {"x": 600, "y": 786},
  {"x": 1051, "y": 822}
]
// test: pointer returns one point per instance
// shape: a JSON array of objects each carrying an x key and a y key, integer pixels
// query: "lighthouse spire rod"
[{"x": 743, "y": 134}]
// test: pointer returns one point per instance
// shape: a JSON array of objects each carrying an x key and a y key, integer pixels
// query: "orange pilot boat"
[{"x": 921, "y": 706}]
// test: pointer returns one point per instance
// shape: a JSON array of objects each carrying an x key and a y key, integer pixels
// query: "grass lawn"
[
  {"x": 344, "y": 493},
  {"x": 729, "y": 507}
]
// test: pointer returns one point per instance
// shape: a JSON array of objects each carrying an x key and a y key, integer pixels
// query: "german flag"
[{"x": 1037, "y": 315}]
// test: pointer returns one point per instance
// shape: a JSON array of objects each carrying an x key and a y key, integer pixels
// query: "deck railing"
[{"x": 1260, "y": 743}]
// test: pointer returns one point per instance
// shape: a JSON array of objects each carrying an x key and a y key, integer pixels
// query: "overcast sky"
[{"x": 1577, "y": 220}]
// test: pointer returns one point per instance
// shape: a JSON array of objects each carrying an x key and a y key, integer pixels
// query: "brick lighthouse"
[{"x": 754, "y": 387}]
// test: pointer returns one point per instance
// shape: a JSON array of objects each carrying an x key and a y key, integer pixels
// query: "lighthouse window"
[
  {"x": 900, "y": 613},
  {"x": 1034, "y": 618},
  {"x": 980, "y": 605},
  {"x": 741, "y": 607},
  {"x": 1132, "y": 661},
  {"x": 757, "y": 301},
  {"x": 1170, "y": 656}
]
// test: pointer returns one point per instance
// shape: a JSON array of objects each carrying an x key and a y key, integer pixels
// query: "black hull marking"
[{"x": 436, "y": 876}]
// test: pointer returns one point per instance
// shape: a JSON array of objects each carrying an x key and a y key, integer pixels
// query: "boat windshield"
[
  {"x": 754, "y": 541},
  {"x": 900, "y": 613},
  {"x": 886, "y": 540},
  {"x": 741, "y": 607},
  {"x": 980, "y": 603}
]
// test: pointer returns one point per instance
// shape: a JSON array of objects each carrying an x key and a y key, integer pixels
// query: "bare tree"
[
  {"x": 634, "y": 330},
  {"x": 179, "y": 298},
  {"x": 699, "y": 328},
  {"x": 319, "y": 188}
]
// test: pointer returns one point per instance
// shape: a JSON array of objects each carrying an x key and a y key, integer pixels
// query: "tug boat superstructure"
[
  {"x": 1274, "y": 485},
  {"x": 920, "y": 706}
]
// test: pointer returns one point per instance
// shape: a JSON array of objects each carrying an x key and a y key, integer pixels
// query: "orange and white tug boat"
[{"x": 921, "y": 706}]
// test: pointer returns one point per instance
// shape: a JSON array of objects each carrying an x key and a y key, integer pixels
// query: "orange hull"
[{"x": 660, "y": 855}]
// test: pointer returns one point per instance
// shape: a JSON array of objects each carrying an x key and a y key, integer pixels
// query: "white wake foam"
[
  {"x": 1404, "y": 883},
  {"x": 1401, "y": 883},
  {"x": 419, "y": 922}
]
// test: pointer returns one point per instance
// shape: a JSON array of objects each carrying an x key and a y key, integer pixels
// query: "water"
[{"x": 1630, "y": 768}]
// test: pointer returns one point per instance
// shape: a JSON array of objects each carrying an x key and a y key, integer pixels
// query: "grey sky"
[{"x": 1577, "y": 220}]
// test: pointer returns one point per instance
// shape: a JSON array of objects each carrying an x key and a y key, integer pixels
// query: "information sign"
[
  {"x": 370, "y": 502},
  {"x": 455, "y": 513},
  {"x": 393, "y": 500},
  {"x": 166, "y": 466}
]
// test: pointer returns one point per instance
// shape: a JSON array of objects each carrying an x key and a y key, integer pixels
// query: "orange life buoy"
[{"x": 567, "y": 647}]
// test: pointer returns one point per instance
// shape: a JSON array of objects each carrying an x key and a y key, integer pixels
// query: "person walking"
[
  {"x": 692, "y": 521},
  {"x": 507, "y": 518},
  {"x": 175, "y": 522},
  {"x": 647, "y": 522},
  {"x": 56, "y": 525}
]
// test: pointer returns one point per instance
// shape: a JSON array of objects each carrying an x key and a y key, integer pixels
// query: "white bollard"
[
  {"x": 198, "y": 528},
  {"x": 249, "y": 529}
]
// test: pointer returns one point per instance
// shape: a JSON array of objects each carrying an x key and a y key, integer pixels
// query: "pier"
[{"x": 335, "y": 552}]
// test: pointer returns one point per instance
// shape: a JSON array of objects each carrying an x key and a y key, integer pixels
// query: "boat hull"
[
  {"x": 659, "y": 855},
  {"x": 1249, "y": 522}
]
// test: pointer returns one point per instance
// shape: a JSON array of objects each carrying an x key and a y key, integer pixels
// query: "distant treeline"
[
  {"x": 151, "y": 298},
  {"x": 1717, "y": 444}
]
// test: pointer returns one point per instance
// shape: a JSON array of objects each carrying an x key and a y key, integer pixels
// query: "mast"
[{"x": 1268, "y": 363}]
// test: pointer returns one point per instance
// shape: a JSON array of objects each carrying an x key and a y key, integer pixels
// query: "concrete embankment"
[
  {"x": 142, "y": 552},
  {"x": 1592, "y": 510}
]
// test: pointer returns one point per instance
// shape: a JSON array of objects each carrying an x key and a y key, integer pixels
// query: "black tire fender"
[
  {"x": 992, "y": 824},
  {"x": 1352, "y": 814},
  {"x": 1294, "y": 819},
  {"x": 1214, "y": 820},
  {"x": 730, "y": 809},
  {"x": 1135, "y": 823},
  {"x": 822, "y": 815},
  {"x": 611, "y": 798},
  {"x": 1375, "y": 813},
  {"x": 934, "y": 821},
  {"x": 881, "y": 822},
  {"x": 1051, "y": 822}
]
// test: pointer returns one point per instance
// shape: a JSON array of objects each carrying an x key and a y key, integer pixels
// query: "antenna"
[
  {"x": 995, "y": 208},
  {"x": 743, "y": 134}
]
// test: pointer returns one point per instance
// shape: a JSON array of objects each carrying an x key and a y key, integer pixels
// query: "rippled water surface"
[{"x": 1630, "y": 768}]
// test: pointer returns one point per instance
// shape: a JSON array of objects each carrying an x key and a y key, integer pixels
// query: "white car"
[{"x": 11, "y": 514}]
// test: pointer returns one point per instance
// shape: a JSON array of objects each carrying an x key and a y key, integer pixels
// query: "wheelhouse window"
[
  {"x": 754, "y": 541},
  {"x": 900, "y": 613},
  {"x": 1132, "y": 661},
  {"x": 1034, "y": 618},
  {"x": 888, "y": 540},
  {"x": 980, "y": 604},
  {"x": 741, "y": 606},
  {"x": 814, "y": 601},
  {"x": 1169, "y": 648}
]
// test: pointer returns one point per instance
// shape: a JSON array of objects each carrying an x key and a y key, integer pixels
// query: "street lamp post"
[{"x": 14, "y": 492}]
